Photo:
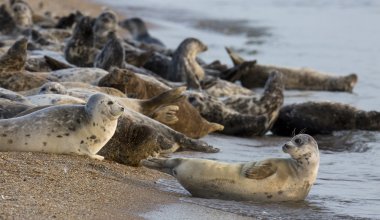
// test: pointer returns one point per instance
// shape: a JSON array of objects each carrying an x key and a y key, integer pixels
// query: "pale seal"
[
  {"x": 184, "y": 66},
  {"x": 277, "y": 179},
  {"x": 65, "y": 129},
  {"x": 84, "y": 75},
  {"x": 22, "y": 14},
  {"x": 324, "y": 118}
]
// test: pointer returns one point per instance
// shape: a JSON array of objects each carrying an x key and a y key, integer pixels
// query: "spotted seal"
[
  {"x": 80, "y": 49},
  {"x": 276, "y": 179},
  {"x": 296, "y": 78},
  {"x": 65, "y": 129},
  {"x": 184, "y": 66},
  {"x": 140, "y": 86},
  {"x": 324, "y": 118}
]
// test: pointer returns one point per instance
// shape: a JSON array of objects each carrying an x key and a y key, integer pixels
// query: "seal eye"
[
  {"x": 110, "y": 103},
  {"x": 298, "y": 141}
]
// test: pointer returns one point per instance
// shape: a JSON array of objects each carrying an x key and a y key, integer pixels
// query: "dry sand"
[{"x": 40, "y": 186}]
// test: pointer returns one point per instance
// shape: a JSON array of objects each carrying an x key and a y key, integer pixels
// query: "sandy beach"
[{"x": 42, "y": 186}]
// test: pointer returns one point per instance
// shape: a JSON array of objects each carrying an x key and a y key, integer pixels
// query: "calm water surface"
[{"x": 336, "y": 36}]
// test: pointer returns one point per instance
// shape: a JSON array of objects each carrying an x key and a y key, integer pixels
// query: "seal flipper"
[
  {"x": 56, "y": 64},
  {"x": 166, "y": 98},
  {"x": 162, "y": 165},
  {"x": 236, "y": 59},
  {"x": 259, "y": 171}
]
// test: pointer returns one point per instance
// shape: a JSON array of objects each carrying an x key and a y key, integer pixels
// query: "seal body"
[
  {"x": 324, "y": 118},
  {"x": 184, "y": 66},
  {"x": 104, "y": 24},
  {"x": 190, "y": 122},
  {"x": 65, "y": 129},
  {"x": 275, "y": 179},
  {"x": 80, "y": 49},
  {"x": 112, "y": 54},
  {"x": 84, "y": 75}
]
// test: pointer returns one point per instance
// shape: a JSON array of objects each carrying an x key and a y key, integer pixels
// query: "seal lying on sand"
[
  {"x": 66, "y": 129},
  {"x": 139, "y": 32},
  {"x": 184, "y": 66},
  {"x": 137, "y": 137},
  {"x": 324, "y": 118},
  {"x": 301, "y": 79},
  {"x": 276, "y": 179},
  {"x": 140, "y": 86},
  {"x": 80, "y": 49}
]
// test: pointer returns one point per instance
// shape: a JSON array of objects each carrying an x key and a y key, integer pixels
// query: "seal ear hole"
[{"x": 110, "y": 103}]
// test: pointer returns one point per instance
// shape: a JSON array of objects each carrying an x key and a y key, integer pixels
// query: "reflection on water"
[{"x": 337, "y": 36}]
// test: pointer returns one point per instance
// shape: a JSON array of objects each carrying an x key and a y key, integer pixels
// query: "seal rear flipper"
[
  {"x": 236, "y": 59},
  {"x": 186, "y": 143},
  {"x": 162, "y": 165},
  {"x": 56, "y": 64},
  {"x": 235, "y": 73},
  {"x": 166, "y": 98}
]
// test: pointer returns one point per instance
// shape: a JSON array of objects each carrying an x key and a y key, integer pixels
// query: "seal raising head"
[
  {"x": 276, "y": 179},
  {"x": 22, "y": 14},
  {"x": 15, "y": 58},
  {"x": 65, "y": 129}
]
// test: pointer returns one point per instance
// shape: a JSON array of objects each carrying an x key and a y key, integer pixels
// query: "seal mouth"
[{"x": 116, "y": 114}]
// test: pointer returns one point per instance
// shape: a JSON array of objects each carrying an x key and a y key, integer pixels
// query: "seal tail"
[{"x": 162, "y": 165}]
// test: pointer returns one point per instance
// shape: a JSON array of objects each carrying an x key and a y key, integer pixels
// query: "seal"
[
  {"x": 15, "y": 58},
  {"x": 9, "y": 108},
  {"x": 53, "y": 99},
  {"x": 161, "y": 108},
  {"x": 77, "y": 74},
  {"x": 80, "y": 49},
  {"x": 65, "y": 129},
  {"x": 324, "y": 118},
  {"x": 268, "y": 104},
  {"x": 223, "y": 88},
  {"x": 104, "y": 24},
  {"x": 7, "y": 24},
  {"x": 22, "y": 14},
  {"x": 276, "y": 179},
  {"x": 137, "y": 137},
  {"x": 139, "y": 86},
  {"x": 112, "y": 54},
  {"x": 295, "y": 78},
  {"x": 184, "y": 66},
  {"x": 137, "y": 27}
]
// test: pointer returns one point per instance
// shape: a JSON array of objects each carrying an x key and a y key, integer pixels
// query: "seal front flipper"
[
  {"x": 55, "y": 64},
  {"x": 259, "y": 171}
]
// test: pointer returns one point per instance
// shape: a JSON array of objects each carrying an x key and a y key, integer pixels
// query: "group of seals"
[{"x": 91, "y": 92}]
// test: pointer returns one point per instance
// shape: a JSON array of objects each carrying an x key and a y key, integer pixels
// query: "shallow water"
[{"x": 337, "y": 36}]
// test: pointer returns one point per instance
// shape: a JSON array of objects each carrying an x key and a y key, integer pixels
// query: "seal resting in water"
[
  {"x": 324, "y": 118},
  {"x": 276, "y": 179},
  {"x": 140, "y": 86},
  {"x": 65, "y": 129},
  {"x": 296, "y": 78}
]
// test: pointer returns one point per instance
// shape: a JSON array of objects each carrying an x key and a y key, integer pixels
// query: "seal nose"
[{"x": 285, "y": 147}]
